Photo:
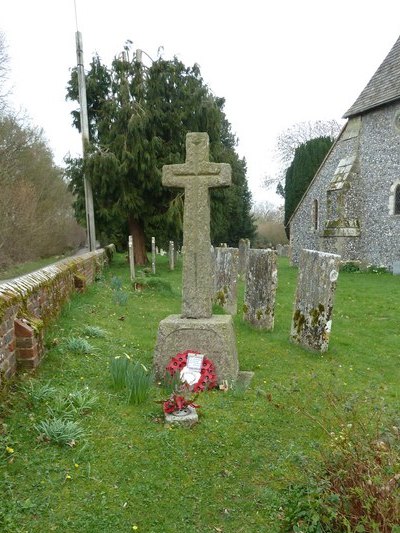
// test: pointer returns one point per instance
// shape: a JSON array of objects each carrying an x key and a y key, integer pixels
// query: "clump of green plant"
[
  {"x": 94, "y": 331},
  {"x": 71, "y": 404},
  {"x": 350, "y": 266},
  {"x": 118, "y": 371},
  {"x": 78, "y": 345},
  {"x": 116, "y": 283},
  {"x": 81, "y": 401},
  {"x": 38, "y": 392},
  {"x": 120, "y": 297},
  {"x": 134, "y": 377},
  {"x": 59, "y": 431},
  {"x": 138, "y": 383},
  {"x": 355, "y": 486}
]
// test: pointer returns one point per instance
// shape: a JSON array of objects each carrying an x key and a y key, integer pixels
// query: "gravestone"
[
  {"x": 316, "y": 285},
  {"x": 131, "y": 257},
  {"x": 244, "y": 247},
  {"x": 153, "y": 255},
  {"x": 396, "y": 268},
  {"x": 225, "y": 276},
  {"x": 260, "y": 292},
  {"x": 196, "y": 329},
  {"x": 171, "y": 255}
]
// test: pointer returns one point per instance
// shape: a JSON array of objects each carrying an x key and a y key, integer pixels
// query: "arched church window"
[
  {"x": 315, "y": 214},
  {"x": 397, "y": 200}
]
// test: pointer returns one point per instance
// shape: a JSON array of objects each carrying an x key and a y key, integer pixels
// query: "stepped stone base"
[{"x": 214, "y": 337}]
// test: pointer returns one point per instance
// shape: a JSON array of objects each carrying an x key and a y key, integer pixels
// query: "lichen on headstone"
[
  {"x": 260, "y": 291},
  {"x": 316, "y": 285}
]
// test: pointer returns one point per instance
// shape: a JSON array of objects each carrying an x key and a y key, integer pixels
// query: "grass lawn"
[{"x": 229, "y": 473}]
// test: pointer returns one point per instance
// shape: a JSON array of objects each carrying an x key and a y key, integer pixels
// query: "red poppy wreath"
[{"x": 208, "y": 376}]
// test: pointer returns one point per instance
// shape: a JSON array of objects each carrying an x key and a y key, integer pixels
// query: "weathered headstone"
[
  {"x": 153, "y": 255},
  {"x": 312, "y": 314},
  {"x": 396, "y": 268},
  {"x": 171, "y": 255},
  {"x": 196, "y": 329},
  {"x": 225, "y": 276},
  {"x": 244, "y": 247},
  {"x": 260, "y": 291},
  {"x": 131, "y": 257}
]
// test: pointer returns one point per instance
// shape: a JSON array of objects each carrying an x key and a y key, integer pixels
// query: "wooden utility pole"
[{"x": 91, "y": 232}]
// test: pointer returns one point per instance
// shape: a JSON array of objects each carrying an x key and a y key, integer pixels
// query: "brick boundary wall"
[{"x": 30, "y": 302}]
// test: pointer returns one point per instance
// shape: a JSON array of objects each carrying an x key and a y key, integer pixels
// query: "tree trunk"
[{"x": 139, "y": 245}]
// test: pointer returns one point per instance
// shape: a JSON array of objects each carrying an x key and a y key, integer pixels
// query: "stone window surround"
[
  {"x": 394, "y": 190},
  {"x": 315, "y": 215}
]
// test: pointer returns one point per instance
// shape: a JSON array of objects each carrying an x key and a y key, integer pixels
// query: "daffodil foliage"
[{"x": 138, "y": 120}]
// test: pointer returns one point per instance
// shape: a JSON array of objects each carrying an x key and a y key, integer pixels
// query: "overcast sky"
[{"x": 276, "y": 63}]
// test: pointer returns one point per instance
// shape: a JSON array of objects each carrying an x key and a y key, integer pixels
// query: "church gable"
[{"x": 352, "y": 206}]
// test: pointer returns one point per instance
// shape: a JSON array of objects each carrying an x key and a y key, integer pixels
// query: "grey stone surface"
[
  {"x": 312, "y": 313},
  {"x": 184, "y": 419},
  {"x": 196, "y": 176},
  {"x": 153, "y": 255},
  {"x": 244, "y": 247},
  {"x": 396, "y": 268},
  {"x": 214, "y": 337},
  {"x": 171, "y": 255},
  {"x": 225, "y": 276},
  {"x": 260, "y": 291}
]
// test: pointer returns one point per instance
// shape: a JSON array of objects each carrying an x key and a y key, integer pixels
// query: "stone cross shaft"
[{"x": 196, "y": 176}]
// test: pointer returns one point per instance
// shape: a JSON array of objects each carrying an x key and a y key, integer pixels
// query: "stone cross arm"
[
  {"x": 197, "y": 166},
  {"x": 210, "y": 174}
]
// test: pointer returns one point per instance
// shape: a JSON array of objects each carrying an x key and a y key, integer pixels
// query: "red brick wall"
[{"x": 29, "y": 303}]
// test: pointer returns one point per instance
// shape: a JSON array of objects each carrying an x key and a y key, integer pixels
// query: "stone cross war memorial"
[{"x": 196, "y": 328}]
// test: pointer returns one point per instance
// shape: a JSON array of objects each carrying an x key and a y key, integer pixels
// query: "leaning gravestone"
[
  {"x": 225, "y": 276},
  {"x": 244, "y": 247},
  {"x": 316, "y": 285},
  {"x": 196, "y": 329},
  {"x": 260, "y": 291}
]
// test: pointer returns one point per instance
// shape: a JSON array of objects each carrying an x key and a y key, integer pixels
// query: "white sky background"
[{"x": 276, "y": 63}]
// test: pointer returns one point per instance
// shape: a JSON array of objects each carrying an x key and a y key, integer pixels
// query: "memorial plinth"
[{"x": 197, "y": 329}]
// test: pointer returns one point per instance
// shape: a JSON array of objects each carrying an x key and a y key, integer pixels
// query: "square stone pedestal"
[{"x": 214, "y": 337}]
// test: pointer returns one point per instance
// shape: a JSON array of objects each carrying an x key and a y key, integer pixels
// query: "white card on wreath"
[{"x": 194, "y": 361}]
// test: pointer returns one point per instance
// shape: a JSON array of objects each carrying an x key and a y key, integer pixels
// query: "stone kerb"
[
  {"x": 225, "y": 276},
  {"x": 260, "y": 289},
  {"x": 313, "y": 306}
]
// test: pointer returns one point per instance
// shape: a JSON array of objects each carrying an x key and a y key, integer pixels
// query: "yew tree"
[{"x": 138, "y": 120}]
